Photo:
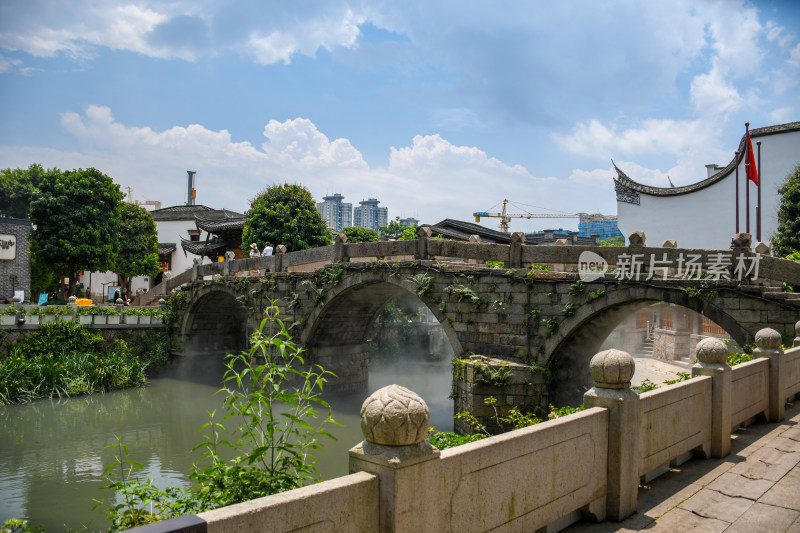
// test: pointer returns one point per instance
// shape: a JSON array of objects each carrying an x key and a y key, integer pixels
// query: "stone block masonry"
[{"x": 15, "y": 265}]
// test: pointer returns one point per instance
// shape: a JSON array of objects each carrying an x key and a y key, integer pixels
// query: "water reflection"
[{"x": 52, "y": 453}]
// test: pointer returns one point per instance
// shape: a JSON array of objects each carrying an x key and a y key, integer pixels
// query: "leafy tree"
[
  {"x": 409, "y": 234},
  {"x": 358, "y": 234},
  {"x": 787, "y": 238},
  {"x": 77, "y": 217},
  {"x": 138, "y": 245},
  {"x": 17, "y": 187},
  {"x": 285, "y": 214},
  {"x": 393, "y": 229}
]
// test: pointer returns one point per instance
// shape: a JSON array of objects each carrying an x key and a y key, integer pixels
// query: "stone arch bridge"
[{"x": 553, "y": 319}]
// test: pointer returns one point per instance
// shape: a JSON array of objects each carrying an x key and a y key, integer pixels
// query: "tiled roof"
[
  {"x": 166, "y": 247},
  {"x": 180, "y": 212},
  {"x": 210, "y": 247},
  {"x": 460, "y": 230},
  {"x": 624, "y": 181}
]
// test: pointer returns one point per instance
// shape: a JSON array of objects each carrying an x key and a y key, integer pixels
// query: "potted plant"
[
  {"x": 156, "y": 316},
  {"x": 111, "y": 313},
  {"x": 144, "y": 315},
  {"x": 130, "y": 315},
  {"x": 33, "y": 315},
  {"x": 9, "y": 316},
  {"x": 84, "y": 314}
]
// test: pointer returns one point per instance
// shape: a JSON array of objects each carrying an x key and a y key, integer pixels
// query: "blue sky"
[{"x": 438, "y": 109}]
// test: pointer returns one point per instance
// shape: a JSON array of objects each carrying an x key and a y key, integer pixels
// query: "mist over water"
[{"x": 52, "y": 453}]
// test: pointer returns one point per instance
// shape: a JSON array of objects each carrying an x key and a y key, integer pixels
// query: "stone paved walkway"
[{"x": 754, "y": 489}]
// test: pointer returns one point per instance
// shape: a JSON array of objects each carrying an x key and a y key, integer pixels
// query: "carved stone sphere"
[
  {"x": 395, "y": 416},
  {"x": 712, "y": 351},
  {"x": 612, "y": 369},
  {"x": 768, "y": 339}
]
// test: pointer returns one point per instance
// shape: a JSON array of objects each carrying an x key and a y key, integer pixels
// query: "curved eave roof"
[
  {"x": 203, "y": 247},
  {"x": 166, "y": 247},
  {"x": 624, "y": 180}
]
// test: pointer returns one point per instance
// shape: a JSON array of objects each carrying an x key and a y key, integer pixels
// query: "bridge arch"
[
  {"x": 580, "y": 336},
  {"x": 337, "y": 330},
  {"x": 215, "y": 320}
]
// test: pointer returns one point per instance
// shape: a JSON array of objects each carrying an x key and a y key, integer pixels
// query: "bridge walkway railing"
[{"x": 736, "y": 263}]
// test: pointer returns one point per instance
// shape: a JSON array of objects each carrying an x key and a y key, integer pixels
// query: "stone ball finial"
[
  {"x": 762, "y": 248},
  {"x": 670, "y": 243},
  {"x": 280, "y": 249},
  {"x": 517, "y": 236},
  {"x": 711, "y": 351},
  {"x": 636, "y": 238},
  {"x": 395, "y": 416},
  {"x": 474, "y": 238},
  {"x": 562, "y": 242},
  {"x": 612, "y": 369},
  {"x": 768, "y": 339},
  {"x": 341, "y": 238},
  {"x": 424, "y": 232},
  {"x": 796, "y": 334},
  {"x": 741, "y": 240}
]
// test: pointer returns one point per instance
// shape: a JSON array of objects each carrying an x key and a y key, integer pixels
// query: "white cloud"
[
  {"x": 593, "y": 139},
  {"x": 7, "y": 63},
  {"x": 713, "y": 96},
  {"x": 431, "y": 178}
]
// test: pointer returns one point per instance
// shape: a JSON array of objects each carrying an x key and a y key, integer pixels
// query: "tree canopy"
[
  {"x": 359, "y": 234},
  {"x": 285, "y": 214},
  {"x": 138, "y": 245},
  {"x": 77, "y": 218},
  {"x": 17, "y": 187},
  {"x": 393, "y": 230},
  {"x": 787, "y": 237}
]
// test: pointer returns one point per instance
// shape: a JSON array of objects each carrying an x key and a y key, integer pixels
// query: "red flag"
[{"x": 750, "y": 162}]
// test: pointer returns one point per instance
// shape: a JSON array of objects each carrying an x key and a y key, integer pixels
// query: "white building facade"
[
  {"x": 703, "y": 215},
  {"x": 369, "y": 215},
  {"x": 336, "y": 214}
]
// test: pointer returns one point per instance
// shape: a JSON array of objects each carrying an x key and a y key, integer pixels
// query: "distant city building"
[
  {"x": 549, "y": 237},
  {"x": 603, "y": 226},
  {"x": 336, "y": 214},
  {"x": 410, "y": 222},
  {"x": 369, "y": 215}
]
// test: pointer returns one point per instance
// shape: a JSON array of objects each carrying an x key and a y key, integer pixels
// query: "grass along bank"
[{"x": 66, "y": 359}]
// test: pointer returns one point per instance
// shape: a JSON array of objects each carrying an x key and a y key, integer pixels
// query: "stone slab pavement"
[{"x": 755, "y": 489}]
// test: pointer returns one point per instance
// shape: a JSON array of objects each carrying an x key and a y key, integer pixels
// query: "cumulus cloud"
[{"x": 431, "y": 178}]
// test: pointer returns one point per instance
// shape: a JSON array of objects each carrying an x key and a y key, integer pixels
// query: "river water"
[{"x": 53, "y": 453}]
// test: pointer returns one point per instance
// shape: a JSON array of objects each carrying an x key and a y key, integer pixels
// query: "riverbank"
[{"x": 67, "y": 359}]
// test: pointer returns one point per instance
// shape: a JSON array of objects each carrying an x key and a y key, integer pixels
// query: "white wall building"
[
  {"x": 172, "y": 224},
  {"x": 703, "y": 215}
]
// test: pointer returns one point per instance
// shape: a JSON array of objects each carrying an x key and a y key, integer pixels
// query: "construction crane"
[{"x": 505, "y": 217}]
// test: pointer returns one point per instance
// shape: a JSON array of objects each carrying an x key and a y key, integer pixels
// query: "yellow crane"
[{"x": 505, "y": 217}]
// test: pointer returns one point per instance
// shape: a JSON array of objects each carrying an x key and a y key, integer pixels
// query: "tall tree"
[
  {"x": 285, "y": 214},
  {"x": 138, "y": 245},
  {"x": 77, "y": 218},
  {"x": 17, "y": 187},
  {"x": 393, "y": 230},
  {"x": 787, "y": 237},
  {"x": 358, "y": 234}
]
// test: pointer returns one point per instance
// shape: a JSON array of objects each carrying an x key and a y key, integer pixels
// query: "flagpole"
[
  {"x": 747, "y": 181},
  {"x": 736, "y": 159},
  {"x": 758, "y": 188}
]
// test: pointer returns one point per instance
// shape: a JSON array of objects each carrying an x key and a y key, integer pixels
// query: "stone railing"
[
  {"x": 560, "y": 258},
  {"x": 588, "y": 464}
]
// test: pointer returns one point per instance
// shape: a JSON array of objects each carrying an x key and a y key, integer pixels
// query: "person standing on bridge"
[
  {"x": 267, "y": 250},
  {"x": 254, "y": 250}
]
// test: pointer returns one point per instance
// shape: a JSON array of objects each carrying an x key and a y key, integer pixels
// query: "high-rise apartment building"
[
  {"x": 336, "y": 214},
  {"x": 369, "y": 215}
]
